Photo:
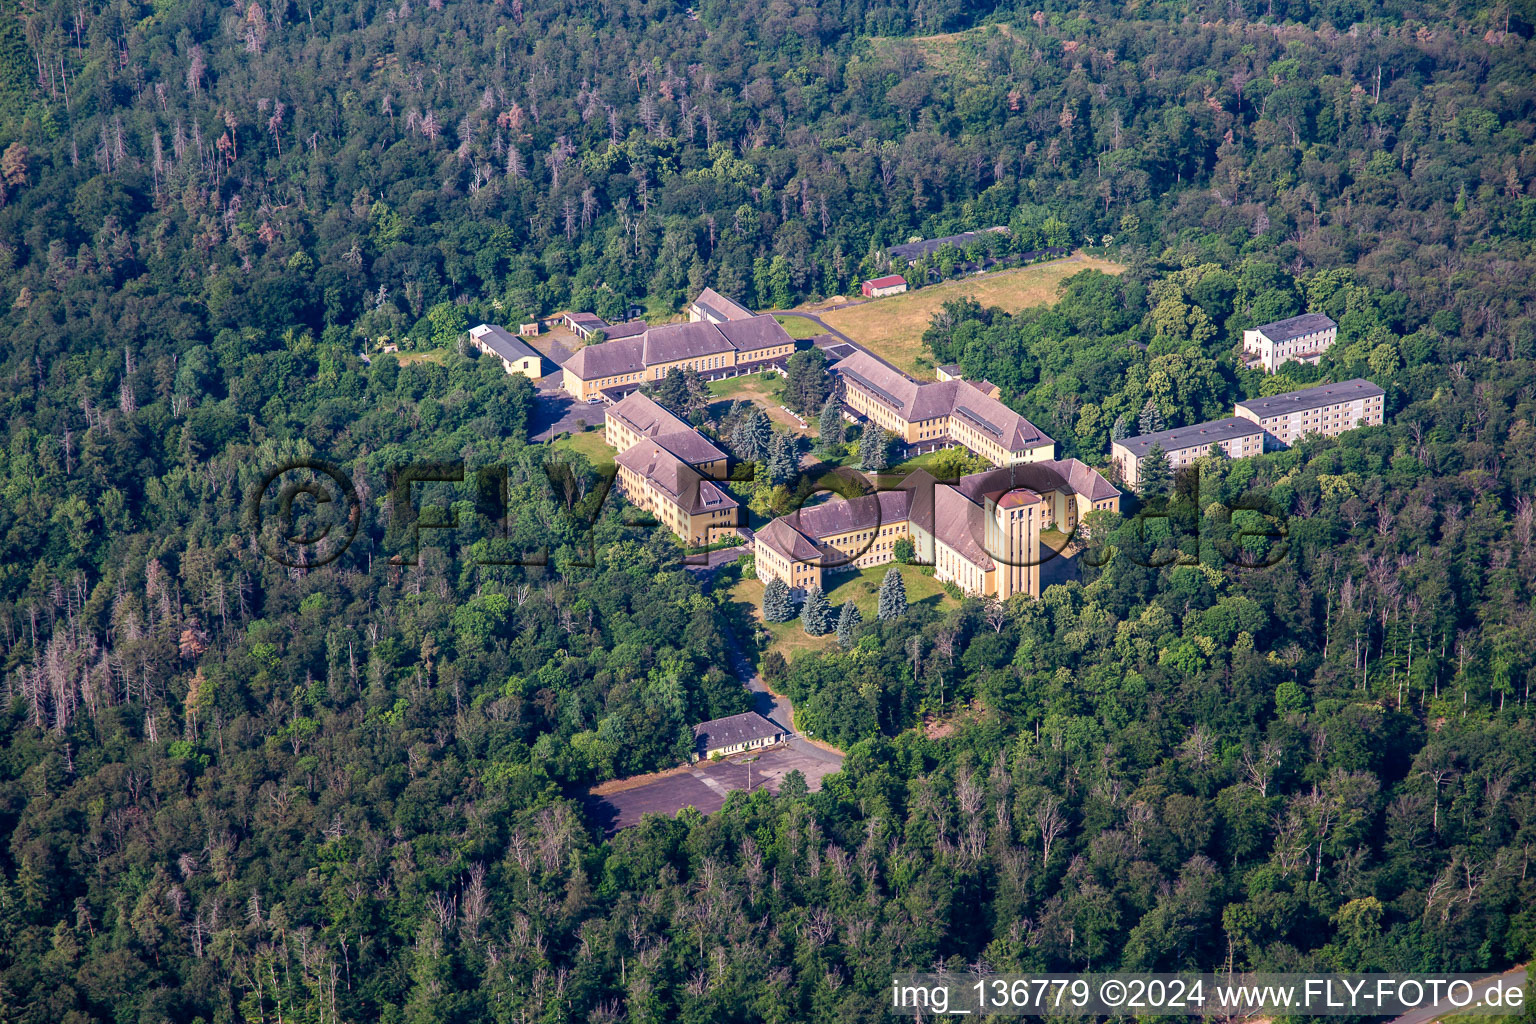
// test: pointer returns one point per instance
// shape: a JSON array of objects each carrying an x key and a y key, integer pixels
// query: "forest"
[{"x": 237, "y": 791}]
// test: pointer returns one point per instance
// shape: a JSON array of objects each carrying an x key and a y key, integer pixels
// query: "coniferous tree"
[
  {"x": 1122, "y": 428},
  {"x": 848, "y": 622},
  {"x": 816, "y": 613},
  {"x": 893, "y": 596},
  {"x": 1151, "y": 420},
  {"x": 807, "y": 381},
  {"x": 777, "y": 603},
  {"x": 1153, "y": 475},
  {"x": 752, "y": 436},
  {"x": 783, "y": 457},
  {"x": 671, "y": 392},
  {"x": 830, "y": 428},
  {"x": 874, "y": 449}
]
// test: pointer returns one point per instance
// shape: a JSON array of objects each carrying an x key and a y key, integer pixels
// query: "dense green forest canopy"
[{"x": 232, "y": 790}]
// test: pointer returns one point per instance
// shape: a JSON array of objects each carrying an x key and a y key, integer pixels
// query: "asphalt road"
[{"x": 1432, "y": 1013}]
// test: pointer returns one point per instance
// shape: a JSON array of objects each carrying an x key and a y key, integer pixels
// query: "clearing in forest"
[{"x": 893, "y": 327}]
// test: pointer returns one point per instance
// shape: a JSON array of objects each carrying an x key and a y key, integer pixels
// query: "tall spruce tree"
[
  {"x": 671, "y": 392},
  {"x": 893, "y": 596},
  {"x": 874, "y": 449},
  {"x": 777, "y": 604},
  {"x": 816, "y": 613},
  {"x": 783, "y": 457},
  {"x": 830, "y": 428},
  {"x": 1153, "y": 474},
  {"x": 848, "y": 622},
  {"x": 1151, "y": 420},
  {"x": 751, "y": 437}
]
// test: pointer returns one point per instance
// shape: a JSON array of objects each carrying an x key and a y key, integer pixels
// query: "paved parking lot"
[{"x": 704, "y": 785}]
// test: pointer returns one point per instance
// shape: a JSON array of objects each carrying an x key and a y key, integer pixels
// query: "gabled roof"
[
  {"x": 644, "y": 415},
  {"x": 628, "y": 329},
  {"x": 683, "y": 484},
  {"x": 591, "y": 320},
  {"x": 671, "y": 342},
  {"x": 960, "y": 524},
  {"x": 502, "y": 342},
  {"x": 996, "y": 420},
  {"x": 728, "y": 732},
  {"x": 608, "y": 359},
  {"x": 1311, "y": 398},
  {"x": 886, "y": 281},
  {"x": 1212, "y": 432},
  {"x": 755, "y": 333},
  {"x": 690, "y": 446},
  {"x": 784, "y": 537},
  {"x": 1296, "y": 326},
  {"x": 914, "y": 401},
  {"x": 720, "y": 307}
]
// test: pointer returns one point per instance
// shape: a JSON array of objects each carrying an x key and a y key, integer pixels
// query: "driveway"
[{"x": 555, "y": 412}]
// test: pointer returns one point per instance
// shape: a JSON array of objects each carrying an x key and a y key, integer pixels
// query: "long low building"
[
  {"x": 936, "y": 414},
  {"x": 982, "y": 532},
  {"x": 501, "y": 344},
  {"x": 1327, "y": 409},
  {"x": 733, "y": 735},
  {"x": 1237, "y": 437},
  {"x": 723, "y": 338}
]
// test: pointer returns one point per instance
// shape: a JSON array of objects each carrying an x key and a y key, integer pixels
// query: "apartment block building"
[
  {"x": 722, "y": 339},
  {"x": 1237, "y": 437},
  {"x": 1302, "y": 338},
  {"x": 937, "y": 414},
  {"x": 982, "y": 532},
  {"x": 1260, "y": 425},
  {"x": 1327, "y": 409}
]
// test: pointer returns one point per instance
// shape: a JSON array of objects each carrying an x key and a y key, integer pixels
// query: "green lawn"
[
  {"x": 798, "y": 327},
  {"x": 861, "y": 587},
  {"x": 589, "y": 443}
]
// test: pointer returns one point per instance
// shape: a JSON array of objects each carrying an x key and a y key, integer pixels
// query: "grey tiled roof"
[
  {"x": 1296, "y": 326},
  {"x": 1187, "y": 437},
  {"x": 721, "y": 307},
  {"x": 1311, "y": 398},
  {"x": 939, "y": 399},
  {"x": 912, "y": 250},
  {"x": 502, "y": 342},
  {"x": 671, "y": 342},
  {"x": 608, "y": 358},
  {"x": 643, "y": 415},
  {"x": 755, "y": 333},
  {"x": 681, "y": 482},
  {"x": 728, "y": 732},
  {"x": 690, "y": 446}
]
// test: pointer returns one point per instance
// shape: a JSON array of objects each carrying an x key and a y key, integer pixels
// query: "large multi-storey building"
[
  {"x": 982, "y": 532},
  {"x": 670, "y": 469},
  {"x": 655, "y": 475},
  {"x": 722, "y": 339},
  {"x": 1260, "y": 425},
  {"x": 1302, "y": 338},
  {"x": 1237, "y": 437},
  {"x": 1327, "y": 409},
  {"x": 937, "y": 414}
]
